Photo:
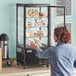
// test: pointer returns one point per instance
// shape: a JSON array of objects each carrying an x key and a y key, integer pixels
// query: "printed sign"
[{"x": 66, "y": 4}]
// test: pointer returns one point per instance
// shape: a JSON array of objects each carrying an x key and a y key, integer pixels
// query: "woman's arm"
[{"x": 41, "y": 53}]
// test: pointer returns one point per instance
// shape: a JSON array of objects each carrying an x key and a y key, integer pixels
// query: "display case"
[{"x": 33, "y": 25}]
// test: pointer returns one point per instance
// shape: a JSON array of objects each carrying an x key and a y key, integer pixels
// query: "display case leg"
[
  {"x": 17, "y": 63},
  {"x": 9, "y": 63},
  {"x": 47, "y": 65},
  {"x": 25, "y": 67}
]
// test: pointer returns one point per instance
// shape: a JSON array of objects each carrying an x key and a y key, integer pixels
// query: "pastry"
[
  {"x": 40, "y": 33},
  {"x": 29, "y": 24},
  {"x": 29, "y": 34},
  {"x": 41, "y": 14}
]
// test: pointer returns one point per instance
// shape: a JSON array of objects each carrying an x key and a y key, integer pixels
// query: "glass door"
[
  {"x": 36, "y": 26},
  {"x": 57, "y": 19},
  {"x": 20, "y": 26}
]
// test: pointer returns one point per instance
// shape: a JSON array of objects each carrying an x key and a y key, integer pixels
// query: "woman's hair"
[{"x": 62, "y": 34}]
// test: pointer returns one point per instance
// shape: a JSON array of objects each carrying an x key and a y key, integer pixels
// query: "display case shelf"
[
  {"x": 37, "y": 27},
  {"x": 38, "y": 17},
  {"x": 36, "y": 36}
]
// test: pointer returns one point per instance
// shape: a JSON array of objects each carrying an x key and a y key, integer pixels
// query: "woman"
[{"x": 62, "y": 56}]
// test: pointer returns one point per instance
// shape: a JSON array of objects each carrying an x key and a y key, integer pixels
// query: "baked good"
[
  {"x": 29, "y": 24},
  {"x": 40, "y": 33},
  {"x": 29, "y": 34},
  {"x": 41, "y": 14}
]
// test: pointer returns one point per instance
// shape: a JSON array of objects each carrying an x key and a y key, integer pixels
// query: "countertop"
[{"x": 19, "y": 70}]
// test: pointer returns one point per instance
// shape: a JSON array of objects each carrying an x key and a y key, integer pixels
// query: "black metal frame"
[{"x": 49, "y": 26}]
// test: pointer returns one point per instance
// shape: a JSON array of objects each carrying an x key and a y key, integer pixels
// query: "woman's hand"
[{"x": 34, "y": 45}]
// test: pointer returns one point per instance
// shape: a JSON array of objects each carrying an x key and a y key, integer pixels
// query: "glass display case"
[{"x": 33, "y": 25}]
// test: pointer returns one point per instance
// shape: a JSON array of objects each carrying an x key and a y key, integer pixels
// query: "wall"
[
  {"x": 8, "y": 20},
  {"x": 74, "y": 23}
]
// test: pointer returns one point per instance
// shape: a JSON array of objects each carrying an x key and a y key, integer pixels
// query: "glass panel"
[
  {"x": 20, "y": 25},
  {"x": 36, "y": 25},
  {"x": 57, "y": 20}
]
